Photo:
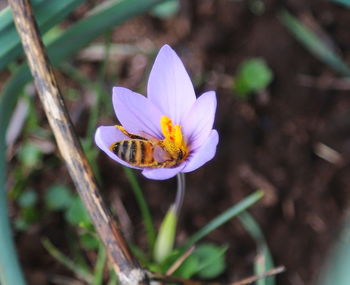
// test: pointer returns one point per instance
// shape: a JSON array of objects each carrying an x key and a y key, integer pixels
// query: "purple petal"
[
  {"x": 169, "y": 86},
  {"x": 162, "y": 173},
  {"x": 136, "y": 113},
  {"x": 198, "y": 123},
  {"x": 105, "y": 136},
  {"x": 205, "y": 153}
]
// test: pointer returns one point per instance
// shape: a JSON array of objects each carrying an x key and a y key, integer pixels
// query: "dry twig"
[{"x": 107, "y": 228}]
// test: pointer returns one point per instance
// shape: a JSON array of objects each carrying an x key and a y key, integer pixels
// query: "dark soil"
[{"x": 269, "y": 141}]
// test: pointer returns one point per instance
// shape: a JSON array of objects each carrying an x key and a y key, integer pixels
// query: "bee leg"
[
  {"x": 166, "y": 164},
  {"x": 130, "y": 135}
]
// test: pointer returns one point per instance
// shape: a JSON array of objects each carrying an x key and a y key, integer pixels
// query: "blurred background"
[{"x": 280, "y": 70}]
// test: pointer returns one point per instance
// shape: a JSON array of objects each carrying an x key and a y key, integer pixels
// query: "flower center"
[{"x": 173, "y": 141}]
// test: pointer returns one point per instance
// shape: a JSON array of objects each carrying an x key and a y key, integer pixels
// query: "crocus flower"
[{"x": 168, "y": 132}]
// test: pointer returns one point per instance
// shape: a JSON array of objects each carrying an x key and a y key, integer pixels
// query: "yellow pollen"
[{"x": 173, "y": 141}]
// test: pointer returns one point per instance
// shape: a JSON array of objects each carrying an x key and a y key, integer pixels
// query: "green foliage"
[
  {"x": 47, "y": 16},
  {"x": 166, "y": 236},
  {"x": 313, "y": 43},
  {"x": 102, "y": 19},
  {"x": 343, "y": 2},
  {"x": 30, "y": 155},
  {"x": 253, "y": 76},
  {"x": 167, "y": 9},
  {"x": 76, "y": 214},
  {"x": 79, "y": 270},
  {"x": 223, "y": 218},
  {"x": 89, "y": 241},
  {"x": 263, "y": 261},
  {"x": 28, "y": 213},
  {"x": 207, "y": 261},
  {"x": 58, "y": 197},
  {"x": 336, "y": 268}
]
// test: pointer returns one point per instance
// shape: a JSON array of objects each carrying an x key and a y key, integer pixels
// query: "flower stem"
[{"x": 180, "y": 193}]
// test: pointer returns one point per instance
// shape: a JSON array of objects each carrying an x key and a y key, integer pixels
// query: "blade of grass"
[
  {"x": 103, "y": 19},
  {"x": 48, "y": 14},
  {"x": 313, "y": 43},
  {"x": 223, "y": 218},
  {"x": 113, "y": 280},
  {"x": 145, "y": 212},
  {"x": 99, "y": 266},
  {"x": 264, "y": 260},
  {"x": 79, "y": 271},
  {"x": 346, "y": 3},
  {"x": 336, "y": 267},
  {"x": 6, "y": 21},
  {"x": 10, "y": 271}
]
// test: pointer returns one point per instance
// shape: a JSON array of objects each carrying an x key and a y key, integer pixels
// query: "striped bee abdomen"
[{"x": 136, "y": 152}]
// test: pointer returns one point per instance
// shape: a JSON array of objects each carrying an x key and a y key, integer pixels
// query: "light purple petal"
[
  {"x": 198, "y": 123},
  {"x": 162, "y": 173},
  {"x": 136, "y": 113},
  {"x": 169, "y": 86},
  {"x": 203, "y": 154},
  {"x": 105, "y": 136}
]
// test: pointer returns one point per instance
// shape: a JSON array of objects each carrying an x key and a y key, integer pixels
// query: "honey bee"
[{"x": 145, "y": 152}]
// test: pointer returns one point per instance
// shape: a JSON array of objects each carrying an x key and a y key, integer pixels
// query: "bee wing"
[{"x": 159, "y": 154}]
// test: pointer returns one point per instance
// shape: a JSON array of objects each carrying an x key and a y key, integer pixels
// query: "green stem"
[
  {"x": 180, "y": 193},
  {"x": 99, "y": 266},
  {"x": 145, "y": 212},
  {"x": 70, "y": 264}
]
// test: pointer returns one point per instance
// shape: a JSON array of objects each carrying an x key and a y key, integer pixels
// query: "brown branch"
[
  {"x": 123, "y": 262},
  {"x": 252, "y": 279}
]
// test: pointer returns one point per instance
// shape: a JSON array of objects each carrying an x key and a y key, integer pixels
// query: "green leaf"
[
  {"x": 188, "y": 268},
  {"x": 264, "y": 261},
  {"x": 89, "y": 241},
  {"x": 223, "y": 218},
  {"x": 47, "y": 14},
  {"x": 343, "y": 2},
  {"x": 207, "y": 261},
  {"x": 167, "y": 9},
  {"x": 336, "y": 268},
  {"x": 211, "y": 260},
  {"x": 163, "y": 266},
  {"x": 58, "y": 197},
  {"x": 166, "y": 236},
  {"x": 76, "y": 214},
  {"x": 103, "y": 19},
  {"x": 21, "y": 224},
  {"x": 30, "y": 215},
  {"x": 30, "y": 155},
  {"x": 253, "y": 75},
  {"x": 28, "y": 199},
  {"x": 313, "y": 43},
  {"x": 6, "y": 21}
]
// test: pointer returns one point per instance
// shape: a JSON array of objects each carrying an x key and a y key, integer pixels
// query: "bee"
[{"x": 145, "y": 151}]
